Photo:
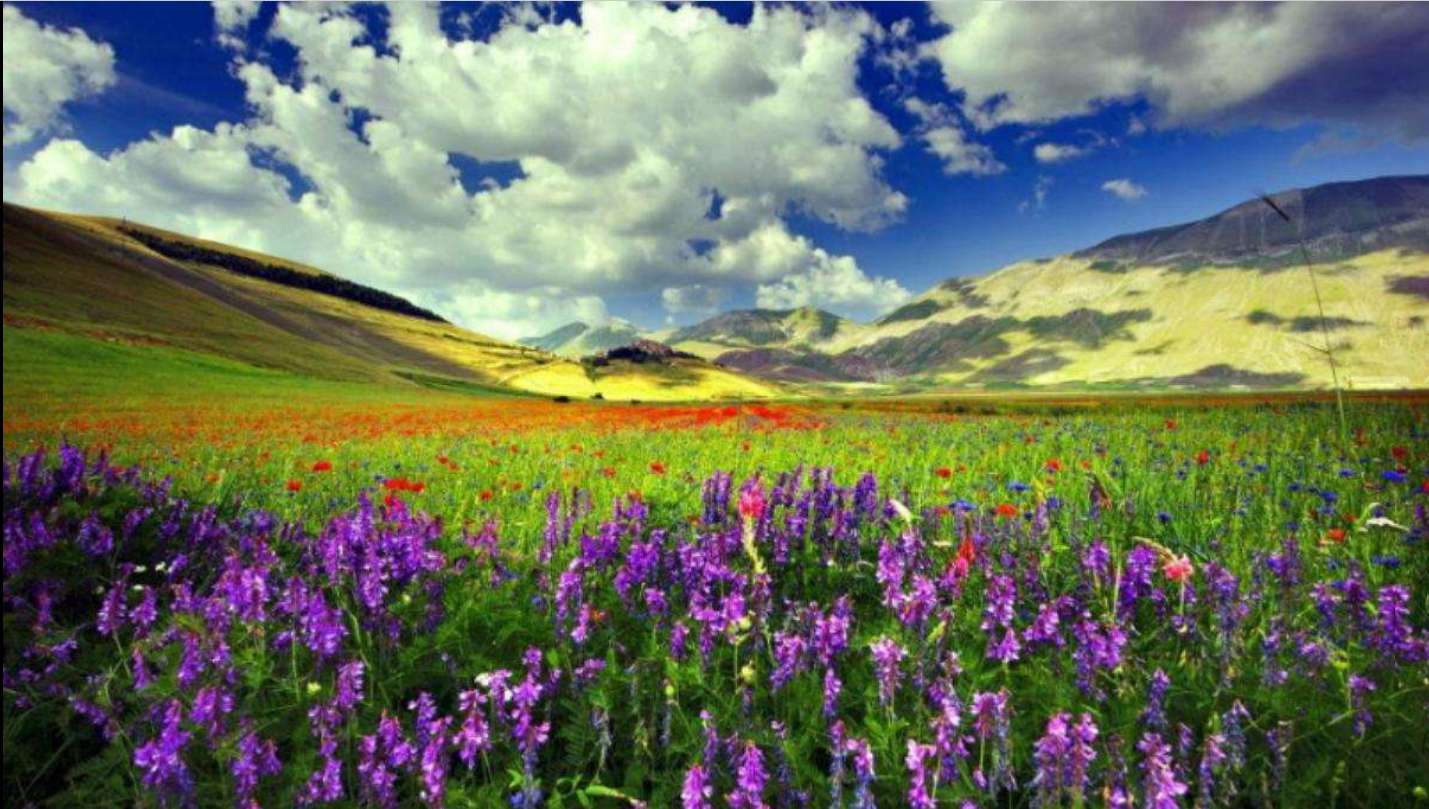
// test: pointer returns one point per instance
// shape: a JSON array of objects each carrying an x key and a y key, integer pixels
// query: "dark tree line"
[{"x": 314, "y": 282}]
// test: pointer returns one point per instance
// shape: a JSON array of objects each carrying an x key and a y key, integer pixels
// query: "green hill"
[{"x": 110, "y": 282}]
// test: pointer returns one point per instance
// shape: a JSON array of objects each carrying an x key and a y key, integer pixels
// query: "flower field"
[{"x": 527, "y": 603}]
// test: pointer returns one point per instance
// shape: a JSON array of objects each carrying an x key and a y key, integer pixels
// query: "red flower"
[
  {"x": 608, "y": 471},
  {"x": 485, "y": 495},
  {"x": 1054, "y": 465},
  {"x": 1400, "y": 453},
  {"x": 1007, "y": 510},
  {"x": 1203, "y": 457},
  {"x": 295, "y": 485},
  {"x": 322, "y": 466},
  {"x": 751, "y": 503},
  {"x": 1170, "y": 424},
  {"x": 1178, "y": 568},
  {"x": 657, "y": 468},
  {"x": 403, "y": 485},
  {"x": 1336, "y": 535},
  {"x": 943, "y": 472}
]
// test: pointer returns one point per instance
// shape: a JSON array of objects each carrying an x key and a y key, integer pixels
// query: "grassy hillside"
[
  {"x": 1071, "y": 320},
  {"x": 89, "y": 278}
]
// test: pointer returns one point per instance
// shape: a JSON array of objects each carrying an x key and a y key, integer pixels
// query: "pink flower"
[{"x": 1178, "y": 568}]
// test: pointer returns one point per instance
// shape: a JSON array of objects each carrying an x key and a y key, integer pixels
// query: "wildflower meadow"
[{"x": 527, "y": 603}]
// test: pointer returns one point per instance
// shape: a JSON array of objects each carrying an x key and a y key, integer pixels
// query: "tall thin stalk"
[{"x": 1329, "y": 349}]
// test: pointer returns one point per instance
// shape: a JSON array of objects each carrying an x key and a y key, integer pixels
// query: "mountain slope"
[
  {"x": 104, "y": 279},
  {"x": 1216, "y": 303},
  {"x": 577, "y": 339},
  {"x": 805, "y": 329},
  {"x": 1335, "y": 220}
]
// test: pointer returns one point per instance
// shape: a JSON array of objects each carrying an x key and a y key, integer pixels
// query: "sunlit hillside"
[{"x": 98, "y": 278}]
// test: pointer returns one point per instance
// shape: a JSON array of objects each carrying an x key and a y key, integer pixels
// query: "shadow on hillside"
[
  {"x": 1021, "y": 367},
  {"x": 1222, "y": 375},
  {"x": 1416, "y": 285}
]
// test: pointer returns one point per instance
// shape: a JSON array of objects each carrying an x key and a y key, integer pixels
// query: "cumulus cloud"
[
  {"x": 45, "y": 68},
  {"x": 624, "y": 126},
  {"x": 1125, "y": 189},
  {"x": 943, "y": 135},
  {"x": 1057, "y": 152},
  {"x": 834, "y": 283},
  {"x": 1195, "y": 64},
  {"x": 696, "y": 300},
  {"x": 231, "y": 19}
]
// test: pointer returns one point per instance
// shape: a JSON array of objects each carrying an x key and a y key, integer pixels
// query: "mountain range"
[{"x": 1220, "y": 302}]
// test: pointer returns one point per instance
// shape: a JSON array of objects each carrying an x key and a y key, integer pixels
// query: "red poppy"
[
  {"x": 657, "y": 468},
  {"x": 295, "y": 485},
  {"x": 403, "y": 485},
  {"x": 1203, "y": 457},
  {"x": 1007, "y": 510},
  {"x": 1170, "y": 424},
  {"x": 1400, "y": 453},
  {"x": 943, "y": 472},
  {"x": 322, "y": 466},
  {"x": 1054, "y": 465},
  {"x": 486, "y": 494},
  {"x": 608, "y": 471},
  {"x": 1336, "y": 535}
]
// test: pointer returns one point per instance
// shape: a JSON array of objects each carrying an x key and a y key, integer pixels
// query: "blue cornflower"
[{"x": 1393, "y": 476}]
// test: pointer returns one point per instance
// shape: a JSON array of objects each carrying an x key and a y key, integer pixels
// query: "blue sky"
[{"x": 832, "y": 234}]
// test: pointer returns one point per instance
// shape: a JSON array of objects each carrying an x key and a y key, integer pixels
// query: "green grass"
[{"x": 51, "y": 371}]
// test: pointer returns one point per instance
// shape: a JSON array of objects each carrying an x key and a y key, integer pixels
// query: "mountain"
[
  {"x": 1221, "y": 302},
  {"x": 805, "y": 328},
  {"x": 1334, "y": 220},
  {"x": 577, "y": 339},
  {"x": 75, "y": 287}
]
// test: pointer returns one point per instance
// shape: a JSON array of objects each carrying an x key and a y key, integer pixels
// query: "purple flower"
[
  {"x": 887, "y": 655},
  {"x": 160, "y": 759},
  {"x": 750, "y": 779},
  {"x": 325, "y": 784},
  {"x": 1162, "y": 788},
  {"x": 833, "y": 686},
  {"x": 210, "y": 706},
  {"x": 380, "y": 756},
  {"x": 695, "y": 791},
  {"x": 1064, "y": 755},
  {"x": 862, "y": 755},
  {"x": 917, "y": 760},
  {"x": 1360, "y": 687},
  {"x": 788, "y": 657},
  {"x": 1154, "y": 717},
  {"x": 257, "y": 758}
]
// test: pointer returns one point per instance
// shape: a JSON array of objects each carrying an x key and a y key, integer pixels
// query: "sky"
[{"x": 516, "y": 167}]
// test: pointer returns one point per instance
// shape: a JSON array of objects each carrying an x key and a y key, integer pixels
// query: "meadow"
[{"x": 229, "y": 589}]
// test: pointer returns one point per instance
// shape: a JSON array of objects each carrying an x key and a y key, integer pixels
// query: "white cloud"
[
  {"x": 1195, "y": 64},
  {"x": 698, "y": 300},
  {"x": 624, "y": 126},
  {"x": 231, "y": 19},
  {"x": 834, "y": 283},
  {"x": 44, "y": 69},
  {"x": 1058, "y": 152},
  {"x": 944, "y": 136},
  {"x": 1125, "y": 189},
  {"x": 1038, "y": 200}
]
